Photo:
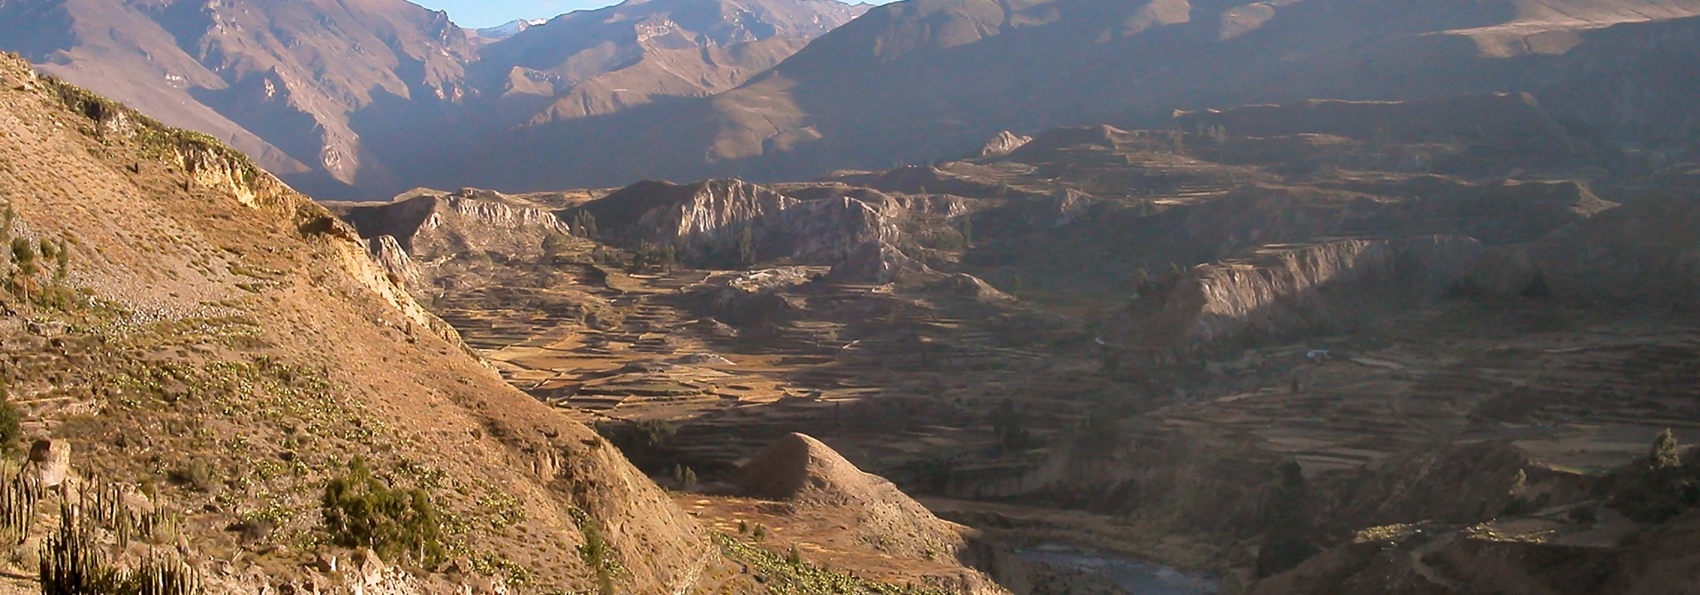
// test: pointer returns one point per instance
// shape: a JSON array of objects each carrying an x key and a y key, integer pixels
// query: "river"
[{"x": 1134, "y": 577}]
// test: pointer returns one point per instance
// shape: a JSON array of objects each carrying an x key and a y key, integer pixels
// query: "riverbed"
[{"x": 1134, "y": 577}]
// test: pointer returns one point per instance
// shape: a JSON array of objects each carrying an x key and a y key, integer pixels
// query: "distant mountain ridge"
[
  {"x": 341, "y": 97},
  {"x": 508, "y": 29},
  {"x": 789, "y": 89},
  {"x": 923, "y": 80}
]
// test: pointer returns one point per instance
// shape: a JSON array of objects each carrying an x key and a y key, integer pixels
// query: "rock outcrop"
[
  {"x": 1285, "y": 290},
  {"x": 736, "y": 222},
  {"x": 420, "y": 233},
  {"x": 1004, "y": 143},
  {"x": 699, "y": 213},
  {"x": 434, "y": 224}
]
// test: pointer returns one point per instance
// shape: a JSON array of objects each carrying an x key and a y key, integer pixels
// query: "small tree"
[
  {"x": 11, "y": 423},
  {"x": 1286, "y": 521},
  {"x": 1008, "y": 424},
  {"x": 62, "y": 261},
  {"x": 1665, "y": 453},
  {"x": 7, "y": 216},
  {"x": 598, "y": 554},
  {"x": 49, "y": 251},
  {"x": 23, "y": 253},
  {"x": 585, "y": 222},
  {"x": 1660, "y": 487},
  {"x": 746, "y": 246}
]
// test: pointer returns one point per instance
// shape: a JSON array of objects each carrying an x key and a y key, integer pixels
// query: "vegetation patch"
[
  {"x": 789, "y": 574},
  {"x": 362, "y": 510}
]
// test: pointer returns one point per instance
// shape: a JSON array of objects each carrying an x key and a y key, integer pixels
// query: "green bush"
[
  {"x": 363, "y": 511},
  {"x": 11, "y": 423}
]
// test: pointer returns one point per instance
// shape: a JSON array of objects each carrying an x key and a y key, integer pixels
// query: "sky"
[{"x": 489, "y": 13}]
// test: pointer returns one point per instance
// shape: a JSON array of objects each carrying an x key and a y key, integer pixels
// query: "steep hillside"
[
  {"x": 283, "y": 81},
  {"x": 852, "y": 510},
  {"x": 225, "y": 343}
]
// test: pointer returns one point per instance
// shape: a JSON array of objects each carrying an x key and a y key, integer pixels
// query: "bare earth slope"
[{"x": 220, "y": 321}]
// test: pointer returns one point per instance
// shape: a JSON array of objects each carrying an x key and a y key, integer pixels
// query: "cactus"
[
  {"x": 76, "y": 561},
  {"x": 72, "y": 562},
  {"x": 165, "y": 575},
  {"x": 20, "y": 492}
]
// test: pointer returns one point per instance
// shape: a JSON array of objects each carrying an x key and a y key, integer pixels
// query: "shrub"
[
  {"x": 363, "y": 511},
  {"x": 11, "y": 423},
  {"x": 1584, "y": 515},
  {"x": 198, "y": 473},
  {"x": 597, "y": 553}
]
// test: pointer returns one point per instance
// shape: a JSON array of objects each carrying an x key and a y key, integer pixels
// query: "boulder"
[{"x": 52, "y": 461}]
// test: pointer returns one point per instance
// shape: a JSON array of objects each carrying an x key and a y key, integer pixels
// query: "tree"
[
  {"x": 1286, "y": 522},
  {"x": 23, "y": 253},
  {"x": 1537, "y": 287},
  {"x": 11, "y": 423},
  {"x": 361, "y": 510},
  {"x": 62, "y": 261},
  {"x": 49, "y": 252},
  {"x": 1659, "y": 488},
  {"x": 669, "y": 257},
  {"x": 585, "y": 223},
  {"x": 1665, "y": 453},
  {"x": 556, "y": 248},
  {"x": 746, "y": 246},
  {"x": 1007, "y": 424}
]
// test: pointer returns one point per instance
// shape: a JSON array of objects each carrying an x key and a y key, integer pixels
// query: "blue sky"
[{"x": 489, "y": 13}]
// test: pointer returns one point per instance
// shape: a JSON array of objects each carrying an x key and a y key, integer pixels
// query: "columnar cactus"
[{"x": 75, "y": 561}]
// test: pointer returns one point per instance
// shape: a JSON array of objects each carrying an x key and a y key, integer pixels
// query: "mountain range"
[
  {"x": 343, "y": 98},
  {"x": 359, "y": 100}
]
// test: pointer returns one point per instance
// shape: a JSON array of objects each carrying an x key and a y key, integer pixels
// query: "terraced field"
[{"x": 891, "y": 378}]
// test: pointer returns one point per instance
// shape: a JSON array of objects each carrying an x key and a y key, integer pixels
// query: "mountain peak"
[{"x": 508, "y": 29}]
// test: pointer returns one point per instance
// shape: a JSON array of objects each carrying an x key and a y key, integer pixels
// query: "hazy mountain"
[
  {"x": 600, "y": 61},
  {"x": 927, "y": 79},
  {"x": 506, "y": 30},
  {"x": 341, "y": 97},
  {"x": 363, "y": 99}
]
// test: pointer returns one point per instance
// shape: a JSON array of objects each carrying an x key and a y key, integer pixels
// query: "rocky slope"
[
  {"x": 211, "y": 297},
  {"x": 1640, "y": 253},
  {"x": 731, "y": 222},
  {"x": 801, "y": 470},
  {"x": 1282, "y": 291},
  {"x": 420, "y": 234}
]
